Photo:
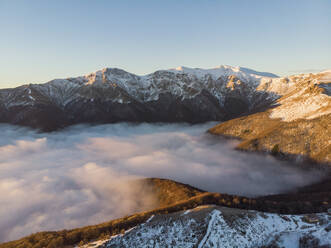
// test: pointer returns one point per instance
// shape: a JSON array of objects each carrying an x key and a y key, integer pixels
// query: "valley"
[{"x": 98, "y": 147}]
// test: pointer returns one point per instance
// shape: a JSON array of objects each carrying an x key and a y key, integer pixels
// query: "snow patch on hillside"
[
  {"x": 308, "y": 108},
  {"x": 311, "y": 99}
]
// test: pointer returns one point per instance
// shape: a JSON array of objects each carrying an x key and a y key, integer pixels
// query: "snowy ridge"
[
  {"x": 211, "y": 226},
  {"x": 183, "y": 82},
  {"x": 311, "y": 99},
  {"x": 224, "y": 70}
]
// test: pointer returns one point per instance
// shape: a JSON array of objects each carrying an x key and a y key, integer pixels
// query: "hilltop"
[{"x": 297, "y": 126}]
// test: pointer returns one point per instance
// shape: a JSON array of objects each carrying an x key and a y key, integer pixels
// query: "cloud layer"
[{"x": 81, "y": 175}]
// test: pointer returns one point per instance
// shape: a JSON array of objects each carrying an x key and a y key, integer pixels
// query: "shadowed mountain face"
[{"x": 113, "y": 95}]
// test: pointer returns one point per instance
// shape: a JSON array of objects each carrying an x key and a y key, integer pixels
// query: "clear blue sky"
[{"x": 41, "y": 40}]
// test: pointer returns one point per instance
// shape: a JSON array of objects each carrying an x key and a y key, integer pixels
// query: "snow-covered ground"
[
  {"x": 211, "y": 226},
  {"x": 310, "y": 99}
]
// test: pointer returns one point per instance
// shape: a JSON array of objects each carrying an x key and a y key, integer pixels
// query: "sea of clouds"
[{"x": 82, "y": 175}]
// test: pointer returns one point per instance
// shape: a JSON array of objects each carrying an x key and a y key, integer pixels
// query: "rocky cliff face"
[{"x": 114, "y": 95}]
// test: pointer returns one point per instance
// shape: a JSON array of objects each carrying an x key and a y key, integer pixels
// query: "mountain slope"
[
  {"x": 298, "y": 125},
  {"x": 112, "y": 95},
  {"x": 211, "y": 226}
]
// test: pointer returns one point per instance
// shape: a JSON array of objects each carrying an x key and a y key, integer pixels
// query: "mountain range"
[
  {"x": 261, "y": 108},
  {"x": 113, "y": 95}
]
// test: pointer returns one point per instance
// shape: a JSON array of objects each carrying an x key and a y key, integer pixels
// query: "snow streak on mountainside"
[{"x": 210, "y": 226}]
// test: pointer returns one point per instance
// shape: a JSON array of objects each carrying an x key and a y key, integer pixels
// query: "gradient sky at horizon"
[{"x": 42, "y": 40}]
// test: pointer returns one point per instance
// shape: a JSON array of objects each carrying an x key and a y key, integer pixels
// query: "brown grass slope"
[
  {"x": 310, "y": 138},
  {"x": 169, "y": 192}
]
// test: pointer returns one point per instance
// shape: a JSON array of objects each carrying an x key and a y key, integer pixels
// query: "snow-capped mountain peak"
[{"x": 223, "y": 70}]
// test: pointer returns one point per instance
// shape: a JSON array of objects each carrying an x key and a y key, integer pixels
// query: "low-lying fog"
[{"x": 78, "y": 176}]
